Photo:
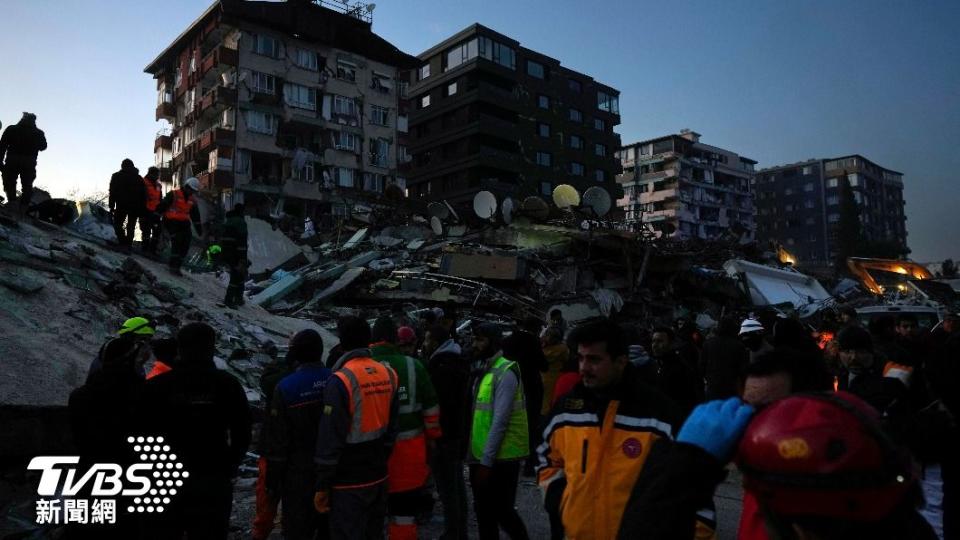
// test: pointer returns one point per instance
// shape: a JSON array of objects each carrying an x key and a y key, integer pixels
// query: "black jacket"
[
  {"x": 234, "y": 239},
  {"x": 722, "y": 360},
  {"x": 450, "y": 374},
  {"x": 22, "y": 139},
  {"x": 102, "y": 415},
  {"x": 524, "y": 349},
  {"x": 127, "y": 191},
  {"x": 680, "y": 380},
  {"x": 203, "y": 412}
]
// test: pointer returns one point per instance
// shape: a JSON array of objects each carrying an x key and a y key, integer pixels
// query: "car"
[{"x": 927, "y": 317}]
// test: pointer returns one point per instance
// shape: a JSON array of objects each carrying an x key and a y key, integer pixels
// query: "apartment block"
[
  {"x": 490, "y": 114},
  {"x": 682, "y": 188},
  {"x": 798, "y": 205},
  {"x": 289, "y": 106}
]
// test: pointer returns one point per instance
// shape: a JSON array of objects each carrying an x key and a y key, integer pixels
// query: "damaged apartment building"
[
  {"x": 293, "y": 108},
  {"x": 682, "y": 188}
]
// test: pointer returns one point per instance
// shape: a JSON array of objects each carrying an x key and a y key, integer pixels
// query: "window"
[
  {"x": 789, "y": 208},
  {"x": 300, "y": 97},
  {"x": 600, "y": 125},
  {"x": 576, "y": 115},
  {"x": 808, "y": 170},
  {"x": 379, "y": 152},
  {"x": 497, "y": 52},
  {"x": 576, "y": 142},
  {"x": 343, "y": 140},
  {"x": 535, "y": 69},
  {"x": 832, "y": 182},
  {"x": 546, "y": 188},
  {"x": 543, "y": 130},
  {"x": 608, "y": 103},
  {"x": 576, "y": 169},
  {"x": 380, "y": 82},
  {"x": 600, "y": 175},
  {"x": 832, "y": 200},
  {"x": 344, "y": 176},
  {"x": 811, "y": 221},
  {"x": 574, "y": 85},
  {"x": 599, "y": 149},
  {"x": 425, "y": 101},
  {"x": 346, "y": 71},
  {"x": 543, "y": 158},
  {"x": 307, "y": 173},
  {"x": 543, "y": 101},
  {"x": 451, "y": 88},
  {"x": 344, "y": 106},
  {"x": 260, "y": 122},
  {"x": 808, "y": 187},
  {"x": 306, "y": 59},
  {"x": 403, "y": 86},
  {"x": 833, "y": 218},
  {"x": 379, "y": 115},
  {"x": 424, "y": 72},
  {"x": 808, "y": 203},
  {"x": 243, "y": 162},
  {"x": 266, "y": 46},
  {"x": 461, "y": 53},
  {"x": 788, "y": 191},
  {"x": 262, "y": 83},
  {"x": 854, "y": 179}
]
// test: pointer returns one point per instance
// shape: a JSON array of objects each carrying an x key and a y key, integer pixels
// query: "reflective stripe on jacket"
[
  {"x": 370, "y": 388},
  {"x": 180, "y": 208},
  {"x": 154, "y": 194},
  {"x": 515, "y": 443}
]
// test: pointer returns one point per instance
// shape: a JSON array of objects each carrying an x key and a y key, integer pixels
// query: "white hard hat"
[
  {"x": 192, "y": 183},
  {"x": 750, "y": 325}
]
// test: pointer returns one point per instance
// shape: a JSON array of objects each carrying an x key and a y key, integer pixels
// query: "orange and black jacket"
[{"x": 596, "y": 448}]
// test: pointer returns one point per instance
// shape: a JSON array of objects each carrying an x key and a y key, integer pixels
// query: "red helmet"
[
  {"x": 406, "y": 335},
  {"x": 823, "y": 455}
]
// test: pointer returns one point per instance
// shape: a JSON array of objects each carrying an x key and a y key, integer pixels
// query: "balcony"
[
  {"x": 218, "y": 179},
  {"x": 217, "y": 98},
  {"x": 657, "y": 196},
  {"x": 164, "y": 142},
  {"x": 215, "y": 136},
  {"x": 218, "y": 60},
  {"x": 667, "y": 173},
  {"x": 166, "y": 111}
]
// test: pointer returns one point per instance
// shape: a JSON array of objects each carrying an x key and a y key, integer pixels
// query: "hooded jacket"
[
  {"x": 127, "y": 191},
  {"x": 22, "y": 139},
  {"x": 450, "y": 373}
]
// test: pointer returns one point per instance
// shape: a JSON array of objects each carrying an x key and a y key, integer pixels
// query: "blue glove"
[{"x": 716, "y": 426}]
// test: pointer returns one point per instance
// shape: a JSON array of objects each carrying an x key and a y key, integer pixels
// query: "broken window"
[
  {"x": 346, "y": 71},
  {"x": 380, "y": 83}
]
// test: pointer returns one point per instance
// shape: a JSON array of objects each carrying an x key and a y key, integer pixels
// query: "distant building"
[
  {"x": 287, "y": 106},
  {"x": 489, "y": 114},
  {"x": 682, "y": 188},
  {"x": 798, "y": 205}
]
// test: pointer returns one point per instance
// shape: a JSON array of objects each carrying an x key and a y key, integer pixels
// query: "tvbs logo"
[{"x": 147, "y": 485}]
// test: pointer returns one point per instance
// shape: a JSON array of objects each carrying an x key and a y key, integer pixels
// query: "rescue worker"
[
  {"x": 128, "y": 199},
  {"x": 234, "y": 254},
  {"x": 819, "y": 464},
  {"x": 601, "y": 438},
  {"x": 290, "y": 436},
  {"x": 419, "y": 428},
  {"x": 178, "y": 209},
  {"x": 165, "y": 356},
  {"x": 407, "y": 340},
  {"x": 450, "y": 374},
  {"x": 355, "y": 437},
  {"x": 137, "y": 329},
  {"x": 19, "y": 147},
  {"x": 149, "y": 224},
  {"x": 753, "y": 336},
  {"x": 498, "y": 438},
  {"x": 204, "y": 415}
]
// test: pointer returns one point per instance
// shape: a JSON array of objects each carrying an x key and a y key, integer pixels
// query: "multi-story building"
[
  {"x": 489, "y": 114},
  {"x": 799, "y": 205},
  {"x": 288, "y": 106},
  {"x": 682, "y": 188}
]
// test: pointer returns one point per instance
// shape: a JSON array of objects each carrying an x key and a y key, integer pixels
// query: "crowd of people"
[{"x": 854, "y": 440}]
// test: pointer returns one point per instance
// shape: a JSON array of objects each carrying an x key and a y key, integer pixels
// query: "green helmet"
[
  {"x": 214, "y": 249},
  {"x": 137, "y": 326}
]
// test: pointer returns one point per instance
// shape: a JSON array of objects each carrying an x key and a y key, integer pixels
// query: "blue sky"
[{"x": 776, "y": 81}]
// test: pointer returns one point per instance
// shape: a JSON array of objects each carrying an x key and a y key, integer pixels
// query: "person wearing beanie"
[
  {"x": 407, "y": 340},
  {"x": 128, "y": 201},
  {"x": 19, "y": 147},
  {"x": 289, "y": 438}
]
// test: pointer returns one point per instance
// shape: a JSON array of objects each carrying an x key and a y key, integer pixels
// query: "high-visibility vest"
[
  {"x": 516, "y": 441},
  {"x": 370, "y": 389},
  {"x": 180, "y": 209},
  {"x": 153, "y": 194}
]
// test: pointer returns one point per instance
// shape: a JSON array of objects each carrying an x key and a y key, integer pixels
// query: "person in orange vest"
[
  {"x": 149, "y": 224},
  {"x": 164, "y": 354},
  {"x": 357, "y": 429},
  {"x": 178, "y": 210},
  {"x": 419, "y": 422}
]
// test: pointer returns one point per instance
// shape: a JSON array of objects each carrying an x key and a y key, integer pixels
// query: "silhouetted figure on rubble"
[
  {"x": 234, "y": 245},
  {"x": 19, "y": 147},
  {"x": 179, "y": 209},
  {"x": 128, "y": 198},
  {"x": 149, "y": 221}
]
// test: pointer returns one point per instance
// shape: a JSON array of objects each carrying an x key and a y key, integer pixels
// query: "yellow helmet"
[{"x": 137, "y": 326}]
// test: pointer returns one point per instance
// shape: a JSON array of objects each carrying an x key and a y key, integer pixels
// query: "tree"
[{"x": 849, "y": 233}]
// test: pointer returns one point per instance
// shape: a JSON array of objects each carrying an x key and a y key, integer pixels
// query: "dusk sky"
[{"x": 779, "y": 82}]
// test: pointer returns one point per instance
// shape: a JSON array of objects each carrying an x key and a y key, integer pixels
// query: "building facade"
[
  {"x": 489, "y": 114},
  {"x": 799, "y": 205},
  {"x": 291, "y": 107},
  {"x": 682, "y": 188}
]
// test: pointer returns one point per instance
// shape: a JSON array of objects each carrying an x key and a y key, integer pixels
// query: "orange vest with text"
[{"x": 180, "y": 209}]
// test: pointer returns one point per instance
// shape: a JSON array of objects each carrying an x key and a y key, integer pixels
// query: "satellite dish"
[
  {"x": 484, "y": 205},
  {"x": 506, "y": 208},
  {"x": 598, "y": 200},
  {"x": 536, "y": 208},
  {"x": 438, "y": 211},
  {"x": 436, "y": 225},
  {"x": 565, "y": 196},
  {"x": 371, "y": 7}
]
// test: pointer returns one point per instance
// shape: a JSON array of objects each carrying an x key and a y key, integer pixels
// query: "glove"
[
  {"x": 716, "y": 426},
  {"x": 321, "y": 501}
]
